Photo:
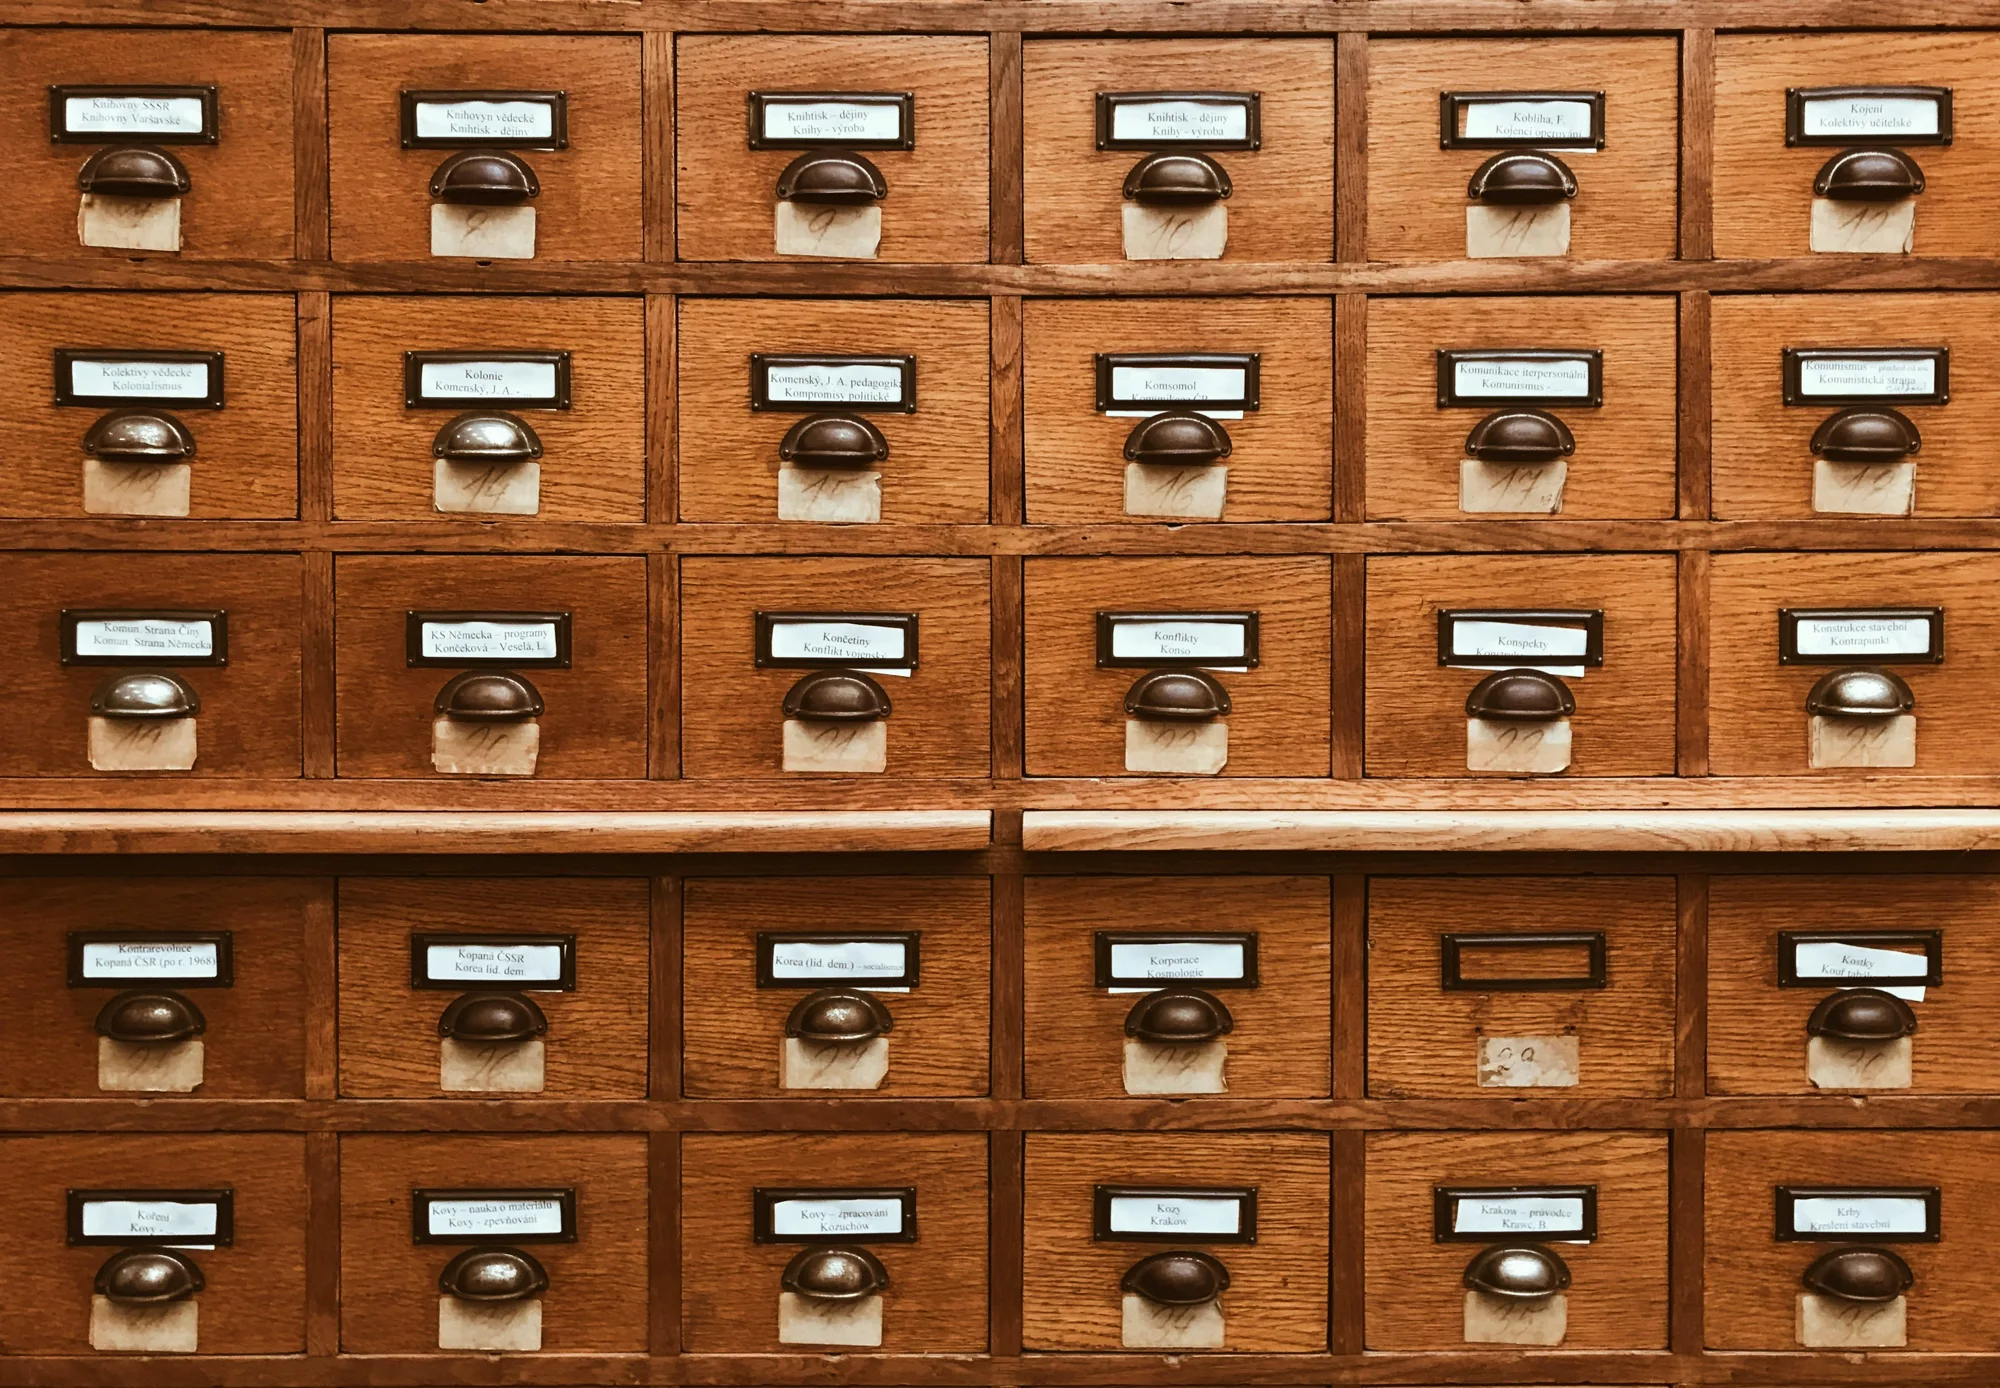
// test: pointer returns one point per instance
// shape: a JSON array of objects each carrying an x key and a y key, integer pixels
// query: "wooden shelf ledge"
[
  {"x": 447, "y": 831},
  {"x": 1511, "y": 831}
]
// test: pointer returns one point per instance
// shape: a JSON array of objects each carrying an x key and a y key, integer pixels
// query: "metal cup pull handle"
[
  {"x": 492, "y": 1018},
  {"x": 1517, "y": 1272},
  {"x": 150, "y": 1017},
  {"x": 834, "y": 1274},
  {"x": 144, "y": 694},
  {"x": 836, "y": 696},
  {"x": 148, "y": 1277},
  {"x": 839, "y": 1017},
  {"x": 1171, "y": 178},
  {"x": 485, "y": 178},
  {"x": 1519, "y": 436},
  {"x": 1179, "y": 1016},
  {"x": 493, "y": 1274},
  {"x": 488, "y": 696},
  {"x": 133, "y": 171},
  {"x": 1866, "y": 434},
  {"x": 836, "y": 441},
  {"x": 1862, "y": 1014},
  {"x": 1860, "y": 693},
  {"x": 1869, "y": 175},
  {"x": 1176, "y": 696},
  {"x": 1521, "y": 178},
  {"x": 1180, "y": 1278},
  {"x": 1177, "y": 438},
  {"x": 139, "y": 436},
  {"x": 832, "y": 178},
  {"x": 490, "y": 438},
  {"x": 1859, "y": 1274},
  {"x": 1520, "y": 696}
]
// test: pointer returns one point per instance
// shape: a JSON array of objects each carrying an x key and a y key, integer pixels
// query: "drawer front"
[
  {"x": 733, "y": 713},
  {"x": 593, "y": 1008},
  {"x": 936, "y": 201},
  {"x": 1278, "y": 714},
  {"x": 1763, "y": 1036},
  {"x": 253, "y": 1300},
  {"x": 1417, "y": 1295},
  {"x": 387, "y": 455},
  {"x": 596, "y": 1296},
  {"x": 246, "y": 724},
  {"x": 1275, "y": 1301},
  {"x": 1621, "y": 461},
  {"x": 1623, "y": 724},
  {"x": 1273, "y": 990},
  {"x": 1469, "y": 994},
  {"x": 588, "y": 207},
  {"x": 1280, "y": 204},
  {"x": 1753, "y": 1282},
  {"x": 935, "y": 1298},
  {"x": 737, "y": 1013},
  {"x": 238, "y": 204},
  {"x": 1626, "y": 193},
  {"x": 935, "y": 468},
  {"x": 1764, "y": 188},
  {"x": 1766, "y": 467},
  {"x": 1280, "y": 458},
  {"x": 593, "y": 720},
  {"x": 1758, "y": 723},
  {"x": 253, "y": 1011}
]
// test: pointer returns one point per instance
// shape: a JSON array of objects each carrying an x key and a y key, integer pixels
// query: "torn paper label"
[
  {"x": 1175, "y": 233},
  {"x": 830, "y": 496},
  {"x": 1862, "y": 742},
  {"x": 1525, "y": 489},
  {"x": 1175, "y": 493},
  {"x": 1497, "y": 232},
  {"x": 1864, "y": 489},
  {"x": 844, "y": 233},
  {"x": 136, "y": 489},
  {"x": 1864, "y": 228},
  {"x": 482, "y": 233}
]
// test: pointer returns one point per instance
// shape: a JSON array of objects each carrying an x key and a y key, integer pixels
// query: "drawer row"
[
  {"x": 803, "y": 1242},
  {"x": 847, "y": 987},
  {"x": 497, "y": 147},
  {"x": 516, "y": 665}
]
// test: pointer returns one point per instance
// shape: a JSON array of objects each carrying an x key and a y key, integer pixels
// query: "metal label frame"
[
  {"x": 1795, "y": 359},
  {"x": 1795, "y": 115},
  {"x": 1249, "y": 363},
  {"x": 218, "y": 627},
  {"x": 223, "y": 1198},
  {"x": 422, "y": 940},
  {"x": 764, "y": 1198},
  {"x": 413, "y": 641},
  {"x": 1448, "y": 359},
  {"x": 1451, "y": 103},
  {"x": 1109, "y": 622},
  {"x": 60, "y": 134},
  {"x": 760, "y": 382},
  {"x": 409, "y": 99},
  {"x": 223, "y": 940},
  {"x": 1785, "y": 1216},
  {"x": 1107, "y": 104},
  {"x": 906, "y": 121},
  {"x": 1931, "y": 941},
  {"x": 768, "y": 940},
  {"x": 1590, "y": 620},
  {"x": 66, "y": 395},
  {"x": 413, "y": 381},
  {"x": 1107, "y": 978},
  {"x": 1788, "y": 635},
  {"x": 420, "y": 1205},
  {"x": 1452, "y": 944},
  {"x": 1102, "y": 1196},
  {"x": 906, "y": 622},
  {"x": 1444, "y": 1207}
]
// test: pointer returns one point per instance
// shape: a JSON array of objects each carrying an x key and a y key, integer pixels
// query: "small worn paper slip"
[
  {"x": 845, "y": 233},
  {"x": 1865, "y": 228},
  {"x": 1496, "y": 232},
  {"x": 1175, "y": 233}
]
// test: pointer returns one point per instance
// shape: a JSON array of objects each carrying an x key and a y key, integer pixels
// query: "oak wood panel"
[
  {"x": 1075, "y": 1030},
  {"x": 595, "y": 719},
  {"x": 728, "y": 454},
  {"x": 1624, "y": 464},
  {"x": 1281, "y": 201},
  {"x": 1278, "y": 711},
  {"x": 1623, "y": 724},
  {"x": 734, "y": 1031},
  {"x": 589, "y": 206},
  {"x": 1625, "y": 204},
  {"x": 1281, "y": 466},
  {"x": 732, "y": 717},
  {"x": 935, "y": 1302},
  {"x": 246, "y": 459},
  {"x": 596, "y": 1044},
  {"x": 239, "y": 200},
  {"x": 594, "y": 453},
  {"x": 1423, "y": 1041},
  {"x": 936, "y": 209},
  {"x": 596, "y": 1300},
  {"x": 1276, "y": 1300},
  {"x": 255, "y": 1298},
  {"x": 1618, "y": 1295}
]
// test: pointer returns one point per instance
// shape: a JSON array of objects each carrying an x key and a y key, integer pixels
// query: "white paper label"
[
  {"x": 473, "y": 1217},
  {"x": 835, "y": 122},
  {"x": 110, "y": 378},
  {"x": 1889, "y": 377},
  {"x": 516, "y": 122},
  {"x": 132, "y": 115},
  {"x": 808, "y": 1218},
  {"x": 1176, "y": 1214},
  {"x": 1165, "y": 122},
  {"x": 1172, "y": 640},
  {"x": 1167, "y": 959},
  {"x": 837, "y": 959},
  {"x": 480, "y": 640},
  {"x": 1518, "y": 640},
  {"x": 858, "y": 643},
  {"x": 1863, "y": 1214},
  {"x": 833, "y": 384},
  {"x": 1828, "y": 961},
  {"x": 487, "y": 380},
  {"x": 143, "y": 638},
  {"x": 1178, "y": 385},
  {"x": 1514, "y": 378},
  {"x": 1527, "y": 121},
  {"x": 148, "y": 1219},
  {"x": 138, "y": 959},
  {"x": 1518, "y": 1214},
  {"x": 528, "y": 963},
  {"x": 1871, "y": 117},
  {"x": 1862, "y": 636}
]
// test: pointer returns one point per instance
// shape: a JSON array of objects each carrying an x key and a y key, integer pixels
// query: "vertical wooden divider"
[
  {"x": 1347, "y": 1198},
  {"x": 663, "y": 663},
  {"x": 1691, "y": 671},
  {"x": 314, "y": 346},
  {"x": 666, "y": 904},
  {"x": 322, "y": 1240},
  {"x": 1697, "y": 182},
  {"x": 310, "y": 206},
  {"x": 1350, "y": 146},
  {"x": 1006, "y": 146},
  {"x": 663, "y": 1249},
  {"x": 656, "y": 75}
]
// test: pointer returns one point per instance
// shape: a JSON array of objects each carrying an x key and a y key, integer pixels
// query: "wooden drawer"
[
  {"x": 1280, "y": 464},
  {"x": 1753, "y": 1281},
  {"x": 1274, "y": 986},
  {"x": 1626, "y": 193},
  {"x": 1276, "y": 1296},
  {"x": 935, "y": 206},
  {"x": 592, "y": 465},
  {"x": 588, "y": 207},
  {"x": 594, "y": 1005},
  {"x": 1534, "y": 987},
  {"x": 593, "y": 722},
  {"x": 1280, "y": 205},
  {"x": 935, "y": 471},
  {"x": 1764, "y": 184},
  {"x": 1622, "y": 464},
  {"x": 1417, "y": 1297},
  {"x": 733, "y": 713},
  {"x": 1279, "y": 714},
  {"x": 935, "y": 1299},
  {"x": 1764, "y": 986},
  {"x": 254, "y": 1297},
  {"x": 1624, "y": 719},
  {"x": 247, "y": 725},
  {"x": 1758, "y": 724},
  {"x": 596, "y": 1296},
  {"x": 244, "y": 463},
  {"x": 737, "y": 998},
  {"x": 239, "y": 200},
  {"x": 1765, "y": 468},
  {"x": 248, "y": 989}
]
